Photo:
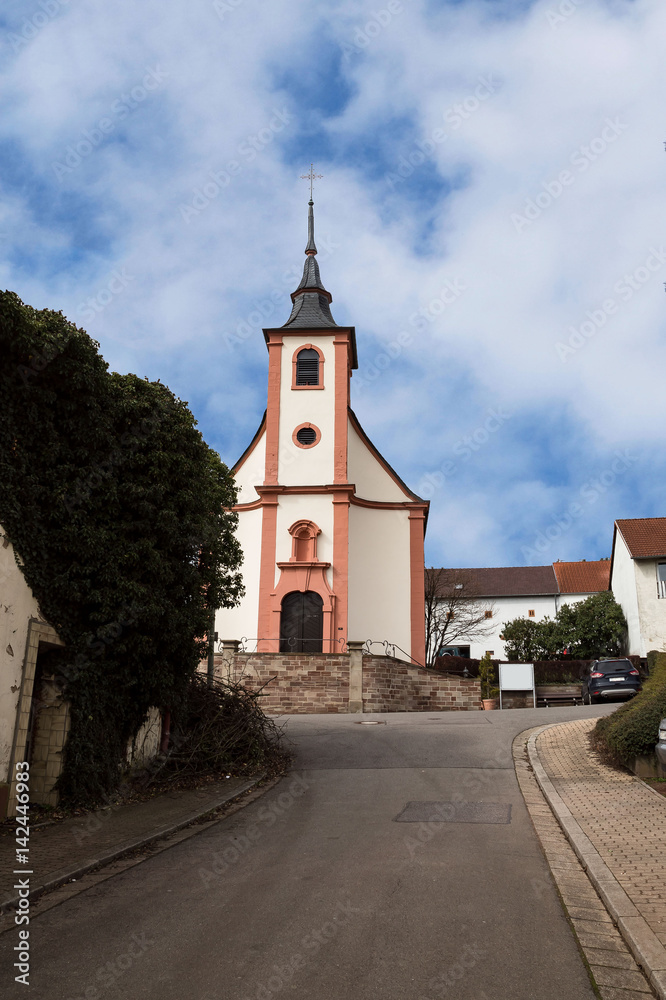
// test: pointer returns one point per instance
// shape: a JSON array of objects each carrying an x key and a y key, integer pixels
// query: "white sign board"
[{"x": 517, "y": 677}]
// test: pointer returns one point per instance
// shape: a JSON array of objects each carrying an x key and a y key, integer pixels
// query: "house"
[
  {"x": 507, "y": 592},
  {"x": 34, "y": 717},
  {"x": 577, "y": 581},
  {"x": 638, "y": 580},
  {"x": 331, "y": 535},
  {"x": 34, "y": 721}
]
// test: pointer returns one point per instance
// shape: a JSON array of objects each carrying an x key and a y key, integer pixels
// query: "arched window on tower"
[{"x": 307, "y": 367}]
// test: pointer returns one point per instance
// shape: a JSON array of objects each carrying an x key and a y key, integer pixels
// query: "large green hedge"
[
  {"x": 119, "y": 514},
  {"x": 632, "y": 729}
]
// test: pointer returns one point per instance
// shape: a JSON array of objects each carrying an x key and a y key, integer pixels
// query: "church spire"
[
  {"x": 311, "y": 247},
  {"x": 311, "y": 301}
]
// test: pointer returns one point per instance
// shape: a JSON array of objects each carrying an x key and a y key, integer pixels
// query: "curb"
[
  {"x": 53, "y": 881},
  {"x": 645, "y": 946}
]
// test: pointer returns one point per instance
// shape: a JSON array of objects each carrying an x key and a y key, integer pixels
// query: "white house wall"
[
  {"x": 306, "y": 466},
  {"x": 379, "y": 598},
  {"x": 623, "y": 585},
  {"x": 252, "y": 473},
  {"x": 505, "y": 609},
  {"x": 372, "y": 480},
  {"x": 235, "y": 623},
  {"x": 17, "y": 607},
  {"x": 508, "y": 608},
  {"x": 651, "y": 609},
  {"x": 562, "y": 599}
]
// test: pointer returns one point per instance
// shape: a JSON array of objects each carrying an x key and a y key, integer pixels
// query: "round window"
[{"x": 306, "y": 435}]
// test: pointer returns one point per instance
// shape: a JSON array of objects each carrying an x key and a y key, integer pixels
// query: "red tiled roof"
[
  {"x": 508, "y": 581},
  {"x": 645, "y": 536},
  {"x": 583, "y": 577}
]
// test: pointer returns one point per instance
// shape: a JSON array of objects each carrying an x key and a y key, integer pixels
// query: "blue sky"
[{"x": 490, "y": 220}]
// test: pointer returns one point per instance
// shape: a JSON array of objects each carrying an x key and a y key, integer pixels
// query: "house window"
[
  {"x": 488, "y": 614},
  {"x": 661, "y": 580},
  {"x": 531, "y": 613},
  {"x": 490, "y": 652},
  {"x": 307, "y": 367}
]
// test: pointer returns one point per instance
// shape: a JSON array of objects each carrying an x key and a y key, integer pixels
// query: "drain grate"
[{"x": 455, "y": 812}]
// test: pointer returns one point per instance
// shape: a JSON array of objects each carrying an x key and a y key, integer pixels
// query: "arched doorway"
[{"x": 301, "y": 622}]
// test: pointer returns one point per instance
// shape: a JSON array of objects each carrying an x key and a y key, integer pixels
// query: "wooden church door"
[{"x": 301, "y": 622}]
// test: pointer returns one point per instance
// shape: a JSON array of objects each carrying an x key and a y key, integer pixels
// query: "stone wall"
[
  {"x": 49, "y": 736},
  {"x": 295, "y": 682},
  {"x": 391, "y": 685},
  {"x": 300, "y": 683}
]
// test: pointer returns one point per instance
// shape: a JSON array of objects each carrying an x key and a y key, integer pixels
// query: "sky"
[{"x": 490, "y": 218}]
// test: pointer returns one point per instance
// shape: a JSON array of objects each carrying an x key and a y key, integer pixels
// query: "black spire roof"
[{"x": 311, "y": 301}]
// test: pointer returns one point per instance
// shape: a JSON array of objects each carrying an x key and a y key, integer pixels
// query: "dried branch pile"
[{"x": 220, "y": 729}]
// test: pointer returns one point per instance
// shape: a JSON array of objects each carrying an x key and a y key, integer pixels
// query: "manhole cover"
[
  {"x": 455, "y": 812},
  {"x": 371, "y": 722}
]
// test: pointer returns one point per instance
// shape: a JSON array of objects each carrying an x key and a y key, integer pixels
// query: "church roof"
[
  {"x": 311, "y": 302},
  {"x": 310, "y": 311}
]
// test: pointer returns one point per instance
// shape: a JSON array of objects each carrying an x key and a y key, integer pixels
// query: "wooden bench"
[{"x": 559, "y": 694}]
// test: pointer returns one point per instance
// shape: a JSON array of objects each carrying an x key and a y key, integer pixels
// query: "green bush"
[
  {"x": 488, "y": 677},
  {"x": 652, "y": 659},
  {"x": 121, "y": 518},
  {"x": 632, "y": 729}
]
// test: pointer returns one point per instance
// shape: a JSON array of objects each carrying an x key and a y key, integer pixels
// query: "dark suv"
[{"x": 610, "y": 679}]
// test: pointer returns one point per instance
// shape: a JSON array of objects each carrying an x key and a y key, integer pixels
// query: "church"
[{"x": 332, "y": 538}]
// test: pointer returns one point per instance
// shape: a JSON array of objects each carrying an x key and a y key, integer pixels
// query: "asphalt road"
[{"x": 316, "y": 891}]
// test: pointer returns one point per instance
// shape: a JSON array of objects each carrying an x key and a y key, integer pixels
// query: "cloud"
[{"x": 492, "y": 148}]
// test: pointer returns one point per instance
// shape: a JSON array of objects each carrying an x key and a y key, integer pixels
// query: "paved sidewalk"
[
  {"x": 67, "y": 850},
  {"x": 617, "y": 827}
]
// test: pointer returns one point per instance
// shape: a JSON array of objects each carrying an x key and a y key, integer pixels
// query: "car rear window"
[{"x": 611, "y": 666}]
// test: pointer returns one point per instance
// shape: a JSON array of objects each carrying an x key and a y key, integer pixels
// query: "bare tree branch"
[{"x": 453, "y": 610}]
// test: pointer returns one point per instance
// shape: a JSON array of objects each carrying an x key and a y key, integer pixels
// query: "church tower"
[{"x": 332, "y": 537}]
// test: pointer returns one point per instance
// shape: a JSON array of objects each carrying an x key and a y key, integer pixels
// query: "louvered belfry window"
[{"x": 307, "y": 367}]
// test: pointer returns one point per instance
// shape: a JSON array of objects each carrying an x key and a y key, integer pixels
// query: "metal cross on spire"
[{"x": 312, "y": 177}]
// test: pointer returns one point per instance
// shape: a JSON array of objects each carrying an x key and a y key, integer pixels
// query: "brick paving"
[
  {"x": 624, "y": 819},
  {"x": 75, "y": 843},
  {"x": 612, "y": 966}
]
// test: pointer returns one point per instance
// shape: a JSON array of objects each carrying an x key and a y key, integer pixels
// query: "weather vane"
[{"x": 312, "y": 176}]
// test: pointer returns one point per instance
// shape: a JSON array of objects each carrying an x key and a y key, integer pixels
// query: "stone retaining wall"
[
  {"x": 391, "y": 685},
  {"x": 309, "y": 683},
  {"x": 295, "y": 682}
]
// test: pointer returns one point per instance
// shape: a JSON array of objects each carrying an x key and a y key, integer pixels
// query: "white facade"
[
  {"x": 505, "y": 591},
  {"x": 320, "y": 511},
  {"x": 505, "y": 609},
  {"x": 635, "y": 583},
  {"x": 17, "y": 607},
  {"x": 378, "y": 542}
]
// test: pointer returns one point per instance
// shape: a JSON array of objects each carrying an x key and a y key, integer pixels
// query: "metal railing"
[
  {"x": 389, "y": 650},
  {"x": 292, "y": 642}
]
